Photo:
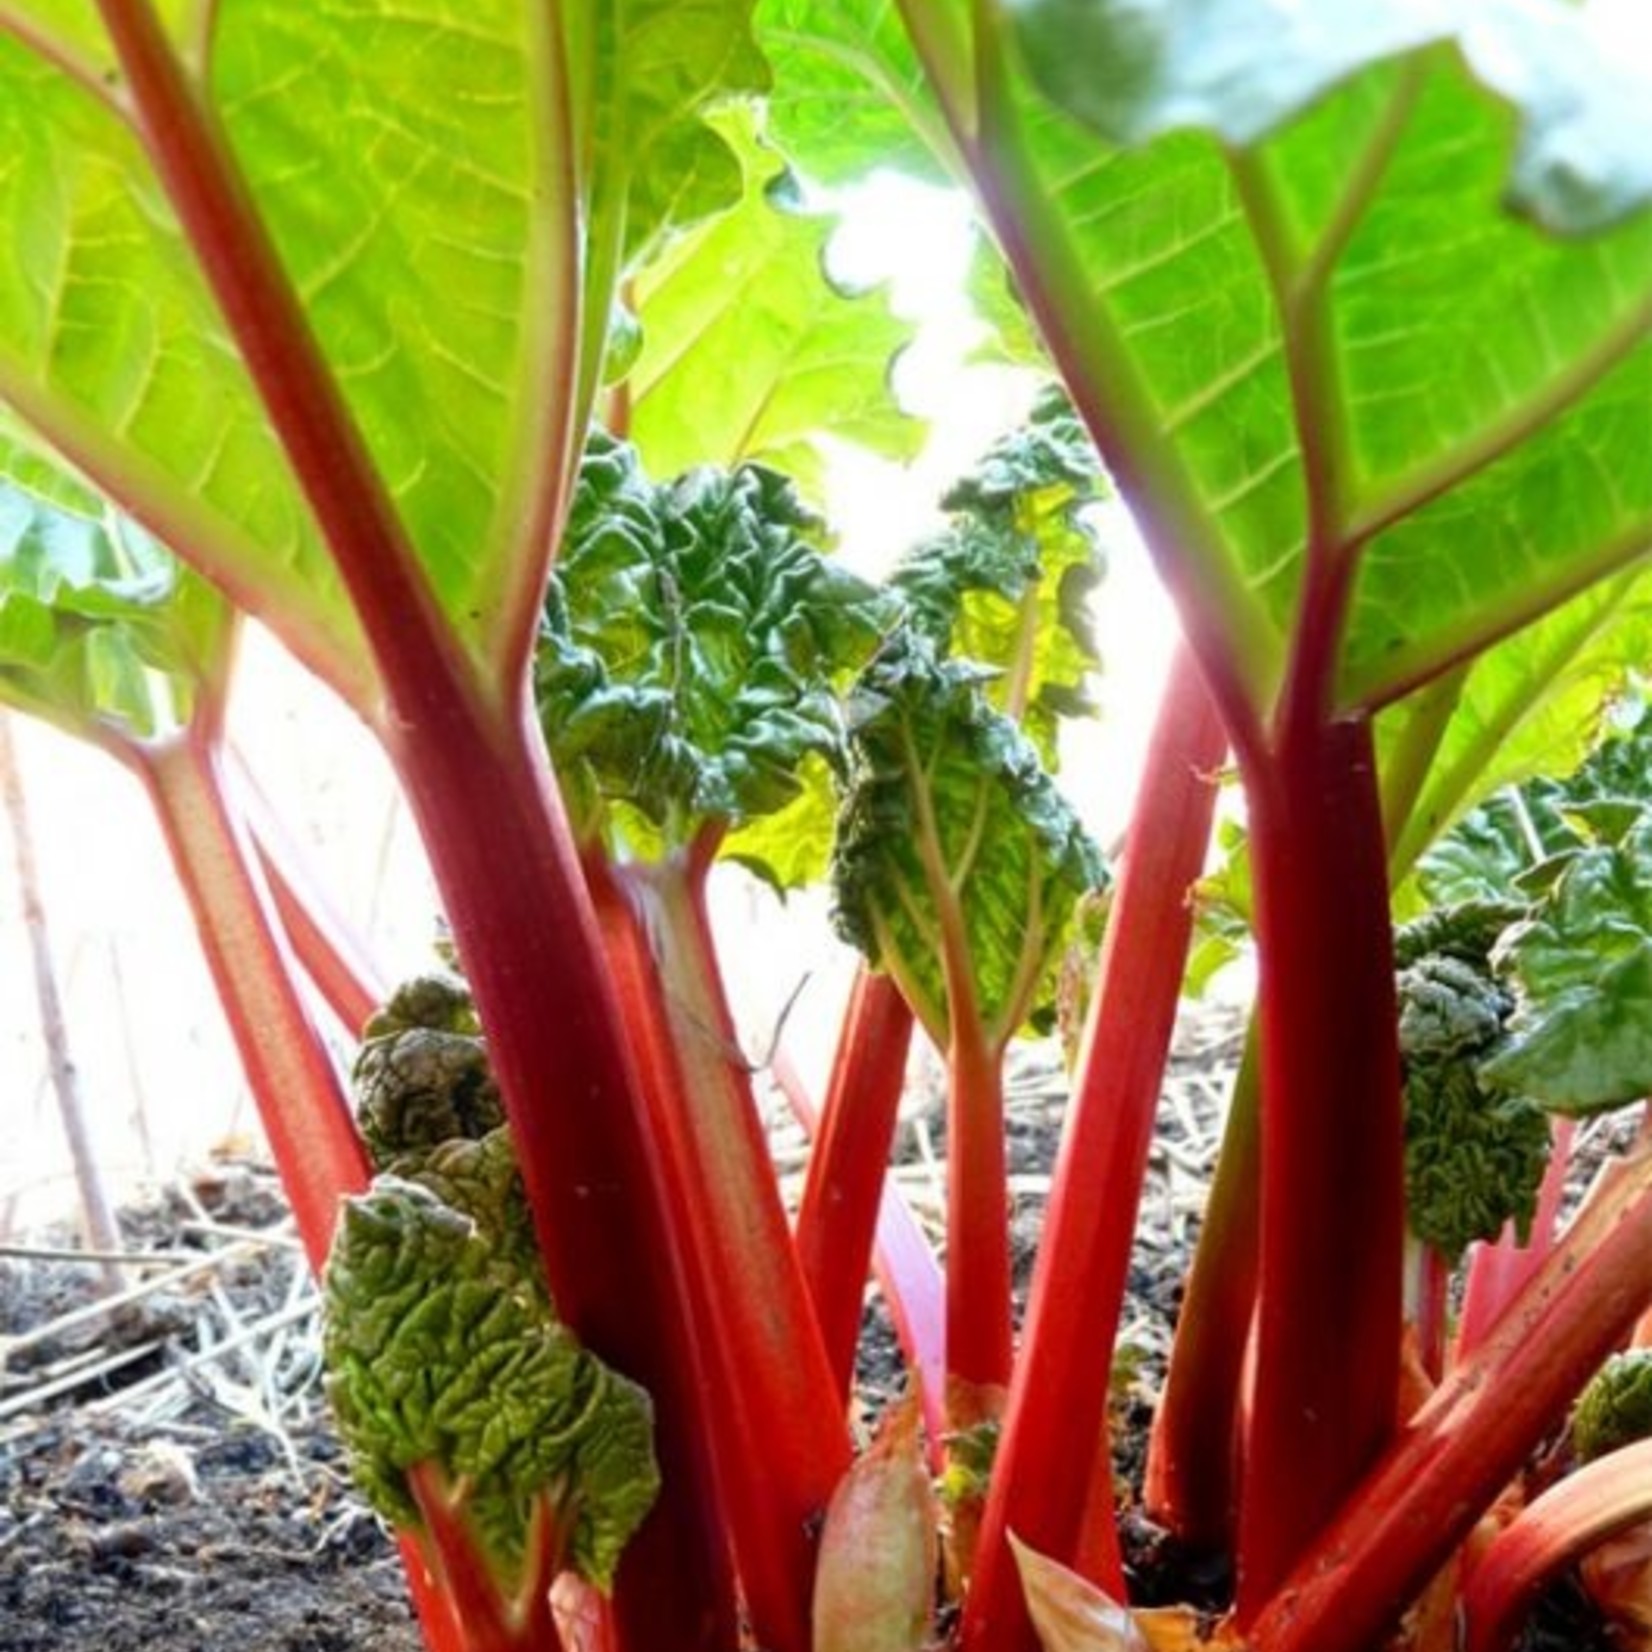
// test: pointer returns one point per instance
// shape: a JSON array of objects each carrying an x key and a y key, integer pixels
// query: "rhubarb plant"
[
  {"x": 472, "y": 1415},
  {"x": 1352, "y": 303}
]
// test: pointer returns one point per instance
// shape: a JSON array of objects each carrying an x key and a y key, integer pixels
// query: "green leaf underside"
[
  {"x": 73, "y": 29},
  {"x": 393, "y": 150},
  {"x": 441, "y": 1344},
  {"x": 693, "y": 644},
  {"x": 101, "y": 632},
  {"x": 659, "y": 65},
  {"x": 849, "y": 90},
  {"x": 1008, "y": 581},
  {"x": 1581, "y": 1040},
  {"x": 749, "y": 351},
  {"x": 1449, "y": 324},
  {"x": 1531, "y": 705},
  {"x": 111, "y": 346},
  {"x": 948, "y": 803},
  {"x": 1242, "y": 67}
]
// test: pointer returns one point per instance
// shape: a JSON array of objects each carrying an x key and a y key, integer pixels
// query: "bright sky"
[{"x": 141, "y": 1010}]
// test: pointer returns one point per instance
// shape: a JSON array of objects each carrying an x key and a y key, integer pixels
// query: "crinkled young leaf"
[
  {"x": 949, "y": 809},
  {"x": 1006, "y": 583},
  {"x": 101, "y": 631},
  {"x": 438, "y": 1353},
  {"x": 693, "y": 641},
  {"x": 421, "y": 1086},
  {"x": 430, "y": 1112},
  {"x": 750, "y": 351},
  {"x": 1474, "y": 1155},
  {"x": 1615, "y": 1409},
  {"x": 1581, "y": 1039}
]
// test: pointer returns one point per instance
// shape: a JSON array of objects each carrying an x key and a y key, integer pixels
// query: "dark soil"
[
  {"x": 182, "y": 1504},
  {"x": 193, "y": 1499},
  {"x": 125, "y": 1545}
]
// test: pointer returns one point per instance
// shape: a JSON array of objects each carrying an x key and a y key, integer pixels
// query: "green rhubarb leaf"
[
  {"x": 397, "y": 156},
  {"x": 76, "y": 35},
  {"x": 112, "y": 352},
  {"x": 1273, "y": 232},
  {"x": 1134, "y": 72},
  {"x": 101, "y": 631},
  {"x": 1581, "y": 1040},
  {"x": 958, "y": 863},
  {"x": 424, "y": 174},
  {"x": 1531, "y": 706},
  {"x": 440, "y": 1355},
  {"x": 1518, "y": 839},
  {"x": 693, "y": 644},
  {"x": 850, "y": 92},
  {"x": 656, "y": 68},
  {"x": 1007, "y": 583},
  {"x": 750, "y": 351}
]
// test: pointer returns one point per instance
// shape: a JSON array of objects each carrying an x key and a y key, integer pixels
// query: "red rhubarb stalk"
[
  {"x": 470, "y": 758},
  {"x": 843, "y": 1191},
  {"x": 978, "y": 1326},
  {"x": 1333, "y": 1192},
  {"x": 1465, "y": 1444},
  {"x": 777, "y": 1418},
  {"x": 1046, "y": 1463},
  {"x": 1596, "y": 1502},
  {"x": 491, "y": 1622}
]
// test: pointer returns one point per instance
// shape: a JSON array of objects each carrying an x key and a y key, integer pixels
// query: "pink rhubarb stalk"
[
  {"x": 843, "y": 1191},
  {"x": 907, "y": 1271},
  {"x": 1056, "y": 1424},
  {"x": 294, "y": 1084},
  {"x": 337, "y": 962}
]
